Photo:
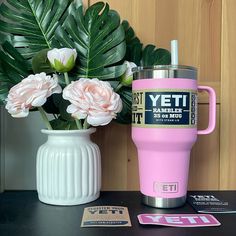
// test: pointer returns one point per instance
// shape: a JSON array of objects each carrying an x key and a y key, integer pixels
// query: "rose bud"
[
  {"x": 63, "y": 59},
  {"x": 127, "y": 77}
]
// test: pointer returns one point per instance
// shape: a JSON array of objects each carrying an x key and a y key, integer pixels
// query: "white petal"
[
  {"x": 129, "y": 67},
  {"x": 78, "y": 115},
  {"x": 52, "y": 55},
  {"x": 39, "y": 101},
  {"x": 21, "y": 114},
  {"x": 57, "y": 89},
  {"x": 101, "y": 120},
  {"x": 81, "y": 115},
  {"x": 72, "y": 109},
  {"x": 65, "y": 54}
]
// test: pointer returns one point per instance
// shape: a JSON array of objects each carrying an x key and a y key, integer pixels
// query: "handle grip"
[{"x": 212, "y": 110}]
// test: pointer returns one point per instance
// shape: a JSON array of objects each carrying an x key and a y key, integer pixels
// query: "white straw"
[{"x": 174, "y": 52}]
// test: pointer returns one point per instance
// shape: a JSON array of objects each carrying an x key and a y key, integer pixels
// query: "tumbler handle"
[{"x": 212, "y": 110}]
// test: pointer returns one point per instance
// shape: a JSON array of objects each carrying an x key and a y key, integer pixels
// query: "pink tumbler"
[{"x": 164, "y": 129}]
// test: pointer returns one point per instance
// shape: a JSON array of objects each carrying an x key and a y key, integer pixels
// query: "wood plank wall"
[
  {"x": 228, "y": 97},
  {"x": 206, "y": 31}
]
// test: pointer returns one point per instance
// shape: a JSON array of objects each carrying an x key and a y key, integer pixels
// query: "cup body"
[{"x": 164, "y": 129}]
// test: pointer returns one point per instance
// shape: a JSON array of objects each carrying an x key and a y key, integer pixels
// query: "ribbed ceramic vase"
[{"x": 68, "y": 168}]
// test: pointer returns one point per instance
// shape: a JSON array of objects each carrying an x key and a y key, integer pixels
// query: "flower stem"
[
  {"x": 118, "y": 87},
  {"x": 45, "y": 119},
  {"x": 78, "y": 124},
  {"x": 67, "y": 78},
  {"x": 86, "y": 124}
]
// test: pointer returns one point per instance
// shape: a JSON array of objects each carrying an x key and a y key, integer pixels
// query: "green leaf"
[
  {"x": 133, "y": 45},
  {"x": 50, "y": 107},
  {"x": 11, "y": 57},
  {"x": 60, "y": 124},
  {"x": 98, "y": 38},
  {"x": 155, "y": 56},
  {"x": 62, "y": 108},
  {"x": 124, "y": 117},
  {"x": 13, "y": 68},
  {"x": 40, "y": 62},
  {"x": 30, "y": 24},
  {"x": 162, "y": 57},
  {"x": 3, "y": 93},
  {"x": 147, "y": 56}
]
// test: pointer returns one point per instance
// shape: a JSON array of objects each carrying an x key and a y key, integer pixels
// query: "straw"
[{"x": 174, "y": 52}]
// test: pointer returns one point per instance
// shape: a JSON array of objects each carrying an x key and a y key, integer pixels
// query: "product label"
[
  {"x": 212, "y": 203},
  {"x": 164, "y": 108}
]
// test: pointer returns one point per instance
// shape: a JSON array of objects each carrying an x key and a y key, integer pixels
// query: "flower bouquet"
[
  {"x": 58, "y": 59},
  {"x": 91, "y": 100}
]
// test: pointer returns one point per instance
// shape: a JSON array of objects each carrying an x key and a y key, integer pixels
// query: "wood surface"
[
  {"x": 228, "y": 99},
  {"x": 206, "y": 31}
]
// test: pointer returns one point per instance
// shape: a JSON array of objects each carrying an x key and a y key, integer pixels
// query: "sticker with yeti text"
[
  {"x": 179, "y": 220},
  {"x": 105, "y": 216}
]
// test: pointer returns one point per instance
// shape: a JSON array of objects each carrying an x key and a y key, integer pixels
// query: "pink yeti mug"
[{"x": 164, "y": 129}]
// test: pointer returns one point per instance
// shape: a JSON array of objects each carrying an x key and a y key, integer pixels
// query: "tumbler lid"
[{"x": 165, "y": 71}]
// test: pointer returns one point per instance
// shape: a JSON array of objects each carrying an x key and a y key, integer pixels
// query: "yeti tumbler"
[{"x": 164, "y": 129}]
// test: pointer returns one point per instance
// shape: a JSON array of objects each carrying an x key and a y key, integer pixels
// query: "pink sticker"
[{"x": 179, "y": 220}]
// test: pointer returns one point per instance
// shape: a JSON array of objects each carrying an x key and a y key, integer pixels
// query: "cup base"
[{"x": 163, "y": 202}]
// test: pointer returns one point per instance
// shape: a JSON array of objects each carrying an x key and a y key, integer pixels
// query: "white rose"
[
  {"x": 94, "y": 99},
  {"x": 32, "y": 91}
]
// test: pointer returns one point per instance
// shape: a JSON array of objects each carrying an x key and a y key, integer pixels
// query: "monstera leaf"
[
  {"x": 99, "y": 39},
  {"x": 133, "y": 44},
  {"x": 124, "y": 116},
  {"x": 148, "y": 56},
  {"x": 155, "y": 56},
  {"x": 13, "y": 68},
  {"x": 35, "y": 25},
  {"x": 29, "y": 25},
  {"x": 26, "y": 27}
]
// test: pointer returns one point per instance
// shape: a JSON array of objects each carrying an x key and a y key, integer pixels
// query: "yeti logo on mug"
[
  {"x": 165, "y": 108},
  {"x": 166, "y": 187}
]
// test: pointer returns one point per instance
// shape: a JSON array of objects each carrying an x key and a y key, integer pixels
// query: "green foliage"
[
  {"x": 29, "y": 28},
  {"x": 155, "y": 56},
  {"x": 124, "y": 116},
  {"x": 147, "y": 56},
  {"x": 60, "y": 124},
  {"x": 133, "y": 45},
  {"x": 98, "y": 38},
  {"x": 26, "y": 27},
  {"x": 30, "y": 25},
  {"x": 3, "y": 93},
  {"x": 13, "y": 68},
  {"x": 40, "y": 62}
]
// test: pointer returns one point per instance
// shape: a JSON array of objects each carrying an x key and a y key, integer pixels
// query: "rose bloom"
[
  {"x": 32, "y": 91},
  {"x": 93, "y": 99}
]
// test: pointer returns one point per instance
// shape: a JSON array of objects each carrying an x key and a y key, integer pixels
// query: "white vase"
[{"x": 68, "y": 168}]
